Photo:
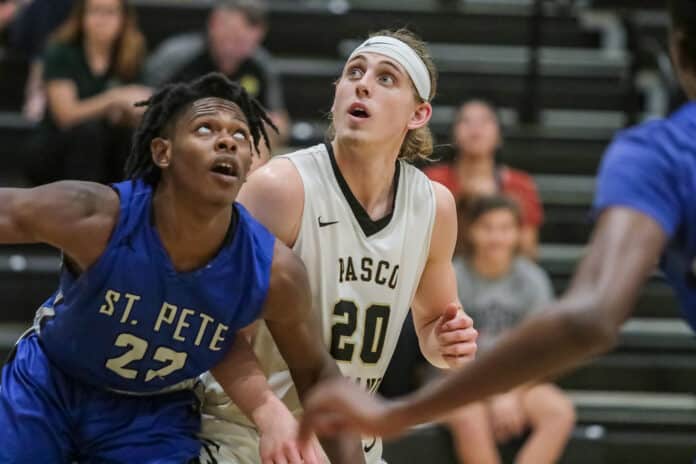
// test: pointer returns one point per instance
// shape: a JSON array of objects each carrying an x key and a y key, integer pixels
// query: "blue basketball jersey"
[
  {"x": 652, "y": 168},
  {"x": 132, "y": 323}
]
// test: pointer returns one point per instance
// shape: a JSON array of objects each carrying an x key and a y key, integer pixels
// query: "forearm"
[
  {"x": 243, "y": 380},
  {"x": 544, "y": 346},
  {"x": 347, "y": 448},
  {"x": 430, "y": 346},
  {"x": 71, "y": 114}
]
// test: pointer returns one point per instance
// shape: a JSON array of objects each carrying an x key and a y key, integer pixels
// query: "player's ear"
[
  {"x": 421, "y": 116},
  {"x": 160, "y": 148}
]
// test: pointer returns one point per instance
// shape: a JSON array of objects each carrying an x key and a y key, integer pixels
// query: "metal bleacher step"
[
  {"x": 559, "y": 260},
  {"x": 662, "y": 409},
  {"x": 308, "y": 90},
  {"x": 565, "y": 190},
  {"x": 511, "y": 59},
  {"x": 612, "y": 428},
  {"x": 295, "y": 25},
  {"x": 658, "y": 334},
  {"x": 564, "y": 143},
  {"x": 657, "y": 371}
]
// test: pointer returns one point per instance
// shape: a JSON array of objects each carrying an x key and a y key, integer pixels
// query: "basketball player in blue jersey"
[
  {"x": 160, "y": 272},
  {"x": 646, "y": 213}
]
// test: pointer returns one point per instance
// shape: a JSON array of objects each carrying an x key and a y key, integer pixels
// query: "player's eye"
[
  {"x": 387, "y": 79},
  {"x": 240, "y": 135},
  {"x": 355, "y": 72},
  {"x": 204, "y": 129}
]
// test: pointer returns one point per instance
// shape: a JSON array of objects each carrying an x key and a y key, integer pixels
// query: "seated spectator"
[
  {"x": 35, "y": 21},
  {"x": 498, "y": 289},
  {"x": 8, "y": 10},
  {"x": 474, "y": 172},
  {"x": 91, "y": 68},
  {"x": 231, "y": 46}
]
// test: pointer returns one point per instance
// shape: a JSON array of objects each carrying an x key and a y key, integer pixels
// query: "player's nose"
[
  {"x": 362, "y": 87},
  {"x": 226, "y": 143}
]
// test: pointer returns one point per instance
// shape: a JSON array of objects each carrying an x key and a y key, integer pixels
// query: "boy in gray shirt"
[{"x": 498, "y": 288}]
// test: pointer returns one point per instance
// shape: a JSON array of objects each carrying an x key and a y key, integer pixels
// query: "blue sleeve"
[{"x": 638, "y": 173}]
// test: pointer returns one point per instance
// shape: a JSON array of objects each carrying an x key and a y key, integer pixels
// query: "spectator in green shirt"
[{"x": 91, "y": 67}]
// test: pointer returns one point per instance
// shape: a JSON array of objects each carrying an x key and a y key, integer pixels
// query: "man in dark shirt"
[{"x": 231, "y": 46}]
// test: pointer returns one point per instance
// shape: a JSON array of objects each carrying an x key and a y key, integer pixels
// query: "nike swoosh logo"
[
  {"x": 368, "y": 448},
  {"x": 324, "y": 224}
]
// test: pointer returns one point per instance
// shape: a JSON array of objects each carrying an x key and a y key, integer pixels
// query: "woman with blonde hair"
[{"x": 91, "y": 69}]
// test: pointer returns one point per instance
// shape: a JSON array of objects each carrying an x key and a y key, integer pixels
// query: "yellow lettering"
[
  {"x": 131, "y": 301},
  {"x": 166, "y": 314},
  {"x": 182, "y": 323},
  {"x": 206, "y": 320},
  {"x": 110, "y": 298},
  {"x": 218, "y": 337}
]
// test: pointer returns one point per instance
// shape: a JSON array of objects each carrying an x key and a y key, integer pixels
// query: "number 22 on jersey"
[{"x": 137, "y": 347}]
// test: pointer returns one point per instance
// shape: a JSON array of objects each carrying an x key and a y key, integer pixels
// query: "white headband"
[{"x": 402, "y": 54}]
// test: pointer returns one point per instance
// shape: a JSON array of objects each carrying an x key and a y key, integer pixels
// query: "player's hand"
[
  {"x": 278, "y": 438},
  {"x": 338, "y": 405},
  {"x": 507, "y": 416},
  {"x": 456, "y": 336}
]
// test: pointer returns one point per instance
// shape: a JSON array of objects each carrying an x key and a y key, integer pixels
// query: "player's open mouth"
[
  {"x": 225, "y": 169},
  {"x": 358, "y": 110}
]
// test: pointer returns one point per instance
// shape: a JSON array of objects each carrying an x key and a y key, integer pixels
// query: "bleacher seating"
[{"x": 584, "y": 95}]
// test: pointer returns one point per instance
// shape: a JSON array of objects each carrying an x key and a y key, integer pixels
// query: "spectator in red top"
[{"x": 474, "y": 172}]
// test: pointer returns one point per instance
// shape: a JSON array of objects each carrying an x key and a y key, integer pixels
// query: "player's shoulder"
[
  {"x": 307, "y": 166},
  {"x": 670, "y": 137},
  {"x": 278, "y": 177},
  {"x": 444, "y": 199},
  {"x": 82, "y": 198},
  {"x": 317, "y": 151},
  {"x": 274, "y": 195},
  {"x": 659, "y": 149}
]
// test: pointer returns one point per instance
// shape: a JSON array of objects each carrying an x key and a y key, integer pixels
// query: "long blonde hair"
[
  {"x": 418, "y": 143},
  {"x": 129, "y": 51}
]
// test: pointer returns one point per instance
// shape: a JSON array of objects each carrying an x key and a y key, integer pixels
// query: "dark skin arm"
[
  {"x": 623, "y": 252},
  {"x": 295, "y": 330},
  {"x": 77, "y": 217}
]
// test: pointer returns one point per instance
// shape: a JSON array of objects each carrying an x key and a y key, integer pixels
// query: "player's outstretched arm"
[
  {"x": 295, "y": 330},
  {"x": 242, "y": 378},
  {"x": 446, "y": 335},
  {"x": 77, "y": 217},
  {"x": 624, "y": 250}
]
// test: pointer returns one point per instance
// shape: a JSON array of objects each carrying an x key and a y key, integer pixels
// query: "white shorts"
[{"x": 225, "y": 442}]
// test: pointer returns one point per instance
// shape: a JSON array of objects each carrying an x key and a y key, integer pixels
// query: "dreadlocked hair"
[{"x": 166, "y": 104}]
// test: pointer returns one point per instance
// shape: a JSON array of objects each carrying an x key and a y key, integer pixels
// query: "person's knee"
[
  {"x": 557, "y": 409},
  {"x": 469, "y": 419},
  {"x": 564, "y": 412}
]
